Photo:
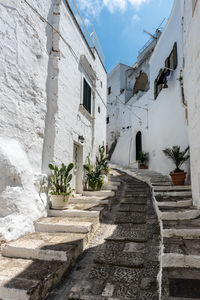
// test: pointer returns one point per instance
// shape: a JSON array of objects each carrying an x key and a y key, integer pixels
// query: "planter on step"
[
  {"x": 178, "y": 178},
  {"x": 59, "y": 201},
  {"x": 144, "y": 167}
]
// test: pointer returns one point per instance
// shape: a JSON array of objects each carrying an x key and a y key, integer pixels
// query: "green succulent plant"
[
  {"x": 177, "y": 156},
  {"x": 93, "y": 173},
  {"x": 60, "y": 179}
]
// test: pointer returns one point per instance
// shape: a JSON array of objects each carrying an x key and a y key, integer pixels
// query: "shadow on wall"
[
  {"x": 23, "y": 197},
  {"x": 112, "y": 149}
]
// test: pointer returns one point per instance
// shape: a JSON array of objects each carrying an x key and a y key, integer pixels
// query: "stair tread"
[
  {"x": 181, "y": 245},
  {"x": 23, "y": 278},
  {"x": 182, "y": 224}
]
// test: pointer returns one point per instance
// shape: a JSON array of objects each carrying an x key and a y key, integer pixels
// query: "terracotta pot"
[
  {"x": 59, "y": 201},
  {"x": 143, "y": 167},
  {"x": 178, "y": 178}
]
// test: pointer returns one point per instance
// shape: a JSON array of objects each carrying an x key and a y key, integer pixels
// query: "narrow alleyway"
[{"x": 122, "y": 260}]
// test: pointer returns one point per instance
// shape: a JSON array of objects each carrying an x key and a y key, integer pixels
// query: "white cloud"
[
  {"x": 92, "y": 8},
  {"x": 136, "y": 18},
  {"x": 113, "y": 5}
]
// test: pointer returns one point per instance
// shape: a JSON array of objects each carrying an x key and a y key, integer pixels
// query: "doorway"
[
  {"x": 138, "y": 143},
  {"x": 78, "y": 168}
]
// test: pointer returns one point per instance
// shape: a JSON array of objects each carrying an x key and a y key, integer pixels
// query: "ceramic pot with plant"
[
  {"x": 178, "y": 157},
  {"x": 143, "y": 159},
  {"x": 60, "y": 188},
  {"x": 94, "y": 180}
]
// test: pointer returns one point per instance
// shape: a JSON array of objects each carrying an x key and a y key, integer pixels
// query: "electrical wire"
[{"x": 64, "y": 40}]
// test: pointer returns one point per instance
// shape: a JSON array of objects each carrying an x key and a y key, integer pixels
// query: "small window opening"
[
  {"x": 87, "y": 96},
  {"x": 109, "y": 90},
  {"x": 99, "y": 109},
  {"x": 107, "y": 120}
]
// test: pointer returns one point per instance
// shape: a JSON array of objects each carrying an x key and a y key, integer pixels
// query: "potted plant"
[
  {"x": 60, "y": 190},
  {"x": 142, "y": 160},
  {"x": 93, "y": 173},
  {"x": 178, "y": 157},
  {"x": 101, "y": 161}
]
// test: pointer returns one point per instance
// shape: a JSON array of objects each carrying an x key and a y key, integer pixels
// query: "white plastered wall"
[
  {"x": 191, "y": 47},
  {"x": 40, "y": 93},
  {"x": 166, "y": 125}
]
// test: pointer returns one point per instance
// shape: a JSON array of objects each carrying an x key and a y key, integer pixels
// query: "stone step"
[
  {"x": 173, "y": 194},
  {"x": 104, "y": 193},
  {"x": 171, "y": 199},
  {"x": 91, "y": 200},
  {"x": 73, "y": 213},
  {"x": 111, "y": 187},
  {"x": 172, "y": 188},
  {"x": 181, "y": 284},
  {"x": 24, "y": 279},
  {"x": 175, "y": 260},
  {"x": 180, "y": 203},
  {"x": 175, "y": 209},
  {"x": 167, "y": 183},
  {"x": 180, "y": 245},
  {"x": 115, "y": 183},
  {"x": 184, "y": 232},
  {"x": 47, "y": 246},
  {"x": 65, "y": 224},
  {"x": 181, "y": 224},
  {"x": 182, "y": 214}
]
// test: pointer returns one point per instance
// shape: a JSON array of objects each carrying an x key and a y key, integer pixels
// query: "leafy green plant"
[
  {"x": 93, "y": 174},
  {"x": 143, "y": 157},
  {"x": 177, "y": 156},
  {"x": 60, "y": 179},
  {"x": 101, "y": 160}
]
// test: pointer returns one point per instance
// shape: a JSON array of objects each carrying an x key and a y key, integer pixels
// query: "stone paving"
[{"x": 122, "y": 261}]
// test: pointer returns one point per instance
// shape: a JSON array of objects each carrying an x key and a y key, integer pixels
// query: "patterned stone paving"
[{"x": 122, "y": 262}]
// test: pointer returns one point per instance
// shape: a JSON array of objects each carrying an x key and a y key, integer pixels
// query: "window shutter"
[
  {"x": 175, "y": 57},
  {"x": 87, "y": 96},
  {"x": 155, "y": 89}
]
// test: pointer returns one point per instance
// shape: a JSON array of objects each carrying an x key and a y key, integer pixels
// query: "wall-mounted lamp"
[{"x": 81, "y": 139}]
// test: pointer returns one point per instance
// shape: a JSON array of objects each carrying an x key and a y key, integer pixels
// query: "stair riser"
[
  {"x": 40, "y": 254},
  {"x": 189, "y": 215},
  {"x": 62, "y": 228},
  {"x": 73, "y": 213},
  {"x": 179, "y": 204},
  {"x": 174, "y": 260},
  {"x": 185, "y": 233},
  {"x": 99, "y": 193}
]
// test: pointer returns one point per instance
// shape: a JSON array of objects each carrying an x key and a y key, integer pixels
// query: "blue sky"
[{"x": 119, "y": 25}]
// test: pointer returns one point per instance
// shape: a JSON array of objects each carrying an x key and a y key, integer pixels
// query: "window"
[
  {"x": 107, "y": 120},
  {"x": 87, "y": 96},
  {"x": 194, "y": 3},
  {"x": 101, "y": 84},
  {"x": 109, "y": 90},
  {"x": 171, "y": 63},
  {"x": 99, "y": 109}
]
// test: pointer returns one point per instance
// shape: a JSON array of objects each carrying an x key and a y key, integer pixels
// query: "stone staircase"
[
  {"x": 180, "y": 230},
  {"x": 33, "y": 264}
]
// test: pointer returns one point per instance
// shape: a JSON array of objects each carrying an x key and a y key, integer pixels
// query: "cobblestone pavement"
[{"x": 122, "y": 260}]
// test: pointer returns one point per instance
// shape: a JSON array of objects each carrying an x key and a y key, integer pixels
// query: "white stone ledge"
[{"x": 174, "y": 260}]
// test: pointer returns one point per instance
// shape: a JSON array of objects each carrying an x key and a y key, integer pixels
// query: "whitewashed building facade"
[
  {"x": 52, "y": 98},
  {"x": 191, "y": 83},
  {"x": 154, "y": 115}
]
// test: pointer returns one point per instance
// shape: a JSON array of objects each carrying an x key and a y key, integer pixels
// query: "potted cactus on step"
[{"x": 60, "y": 188}]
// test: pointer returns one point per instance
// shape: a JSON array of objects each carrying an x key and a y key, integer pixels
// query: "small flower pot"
[
  {"x": 59, "y": 201},
  {"x": 178, "y": 178},
  {"x": 144, "y": 167}
]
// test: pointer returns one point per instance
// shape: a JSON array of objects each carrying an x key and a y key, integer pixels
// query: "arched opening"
[
  {"x": 141, "y": 83},
  {"x": 138, "y": 143}
]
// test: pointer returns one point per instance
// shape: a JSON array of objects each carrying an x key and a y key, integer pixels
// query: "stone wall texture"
[
  {"x": 191, "y": 79},
  {"x": 40, "y": 96}
]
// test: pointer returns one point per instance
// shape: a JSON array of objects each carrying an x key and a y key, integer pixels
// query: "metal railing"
[{"x": 91, "y": 38}]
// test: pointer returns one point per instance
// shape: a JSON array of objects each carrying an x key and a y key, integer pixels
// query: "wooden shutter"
[
  {"x": 175, "y": 56},
  {"x": 87, "y": 96}
]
